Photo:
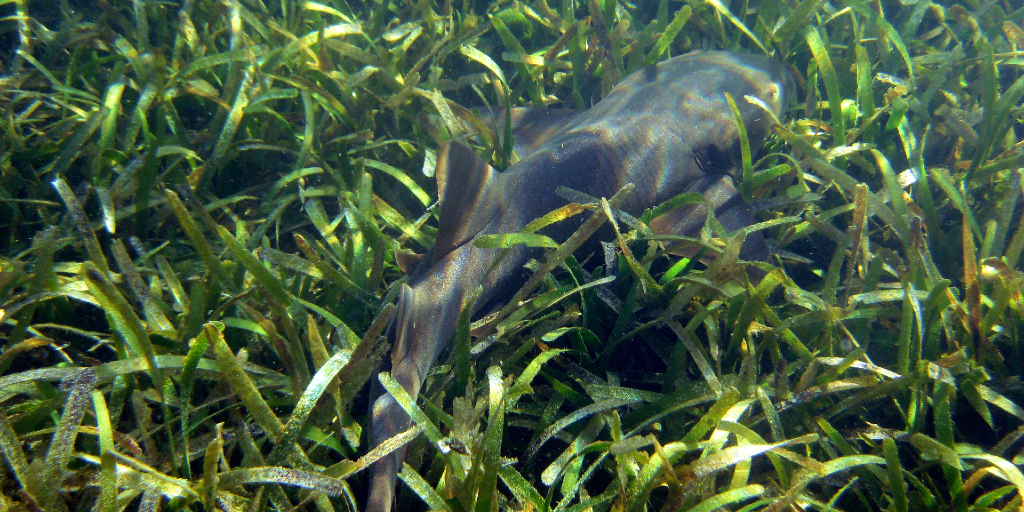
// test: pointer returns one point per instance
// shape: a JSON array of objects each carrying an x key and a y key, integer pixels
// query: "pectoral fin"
[
  {"x": 470, "y": 191},
  {"x": 730, "y": 210},
  {"x": 407, "y": 261}
]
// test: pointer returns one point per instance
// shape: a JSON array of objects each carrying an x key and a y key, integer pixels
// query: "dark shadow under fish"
[{"x": 667, "y": 129}]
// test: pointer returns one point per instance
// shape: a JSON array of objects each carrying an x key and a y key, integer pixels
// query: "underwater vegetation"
[{"x": 204, "y": 205}]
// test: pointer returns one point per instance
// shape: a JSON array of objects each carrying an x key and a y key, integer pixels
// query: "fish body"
[{"x": 666, "y": 129}]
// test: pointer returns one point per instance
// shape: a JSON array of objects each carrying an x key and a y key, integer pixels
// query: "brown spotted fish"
[{"x": 667, "y": 129}]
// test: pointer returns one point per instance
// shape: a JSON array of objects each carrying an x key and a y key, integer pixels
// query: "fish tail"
[
  {"x": 388, "y": 418},
  {"x": 423, "y": 324}
]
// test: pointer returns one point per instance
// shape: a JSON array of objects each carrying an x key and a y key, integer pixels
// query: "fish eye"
[{"x": 713, "y": 159}]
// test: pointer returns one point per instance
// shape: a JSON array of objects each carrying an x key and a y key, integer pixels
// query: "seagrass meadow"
[{"x": 201, "y": 204}]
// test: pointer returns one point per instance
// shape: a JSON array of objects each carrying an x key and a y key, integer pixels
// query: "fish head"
[
  {"x": 694, "y": 91},
  {"x": 768, "y": 87},
  {"x": 760, "y": 86}
]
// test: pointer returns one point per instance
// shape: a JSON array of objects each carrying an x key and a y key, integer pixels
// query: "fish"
[{"x": 666, "y": 129}]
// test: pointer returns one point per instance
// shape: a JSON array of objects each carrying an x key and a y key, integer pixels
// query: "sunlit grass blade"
[
  {"x": 81, "y": 222},
  {"x": 895, "y": 470},
  {"x": 738, "y": 23},
  {"x": 211, "y": 467},
  {"x": 828, "y": 76},
  {"x": 199, "y": 241},
  {"x": 528, "y": 81},
  {"x": 402, "y": 178},
  {"x": 686, "y": 338},
  {"x": 264, "y": 277},
  {"x": 304, "y": 406},
  {"x": 422, "y": 488},
  {"x": 521, "y": 488},
  {"x": 575, "y": 416},
  {"x": 280, "y": 475},
  {"x": 58, "y": 455},
  {"x": 568, "y": 247},
  {"x": 108, "y": 478},
  {"x": 722, "y": 499},
  {"x": 795, "y": 19},
  {"x": 492, "y": 441},
  {"x": 669, "y": 35},
  {"x": 241, "y": 384},
  {"x": 894, "y": 37},
  {"x": 196, "y": 350},
  {"x": 14, "y": 455},
  {"x": 127, "y": 323},
  {"x": 227, "y": 133}
]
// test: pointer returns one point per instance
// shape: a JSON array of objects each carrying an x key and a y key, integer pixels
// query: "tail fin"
[
  {"x": 388, "y": 418},
  {"x": 423, "y": 325}
]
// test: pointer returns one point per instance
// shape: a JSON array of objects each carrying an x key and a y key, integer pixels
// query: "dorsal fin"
[{"x": 467, "y": 186}]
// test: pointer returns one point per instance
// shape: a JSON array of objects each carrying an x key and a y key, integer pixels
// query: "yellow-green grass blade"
[{"x": 58, "y": 455}]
